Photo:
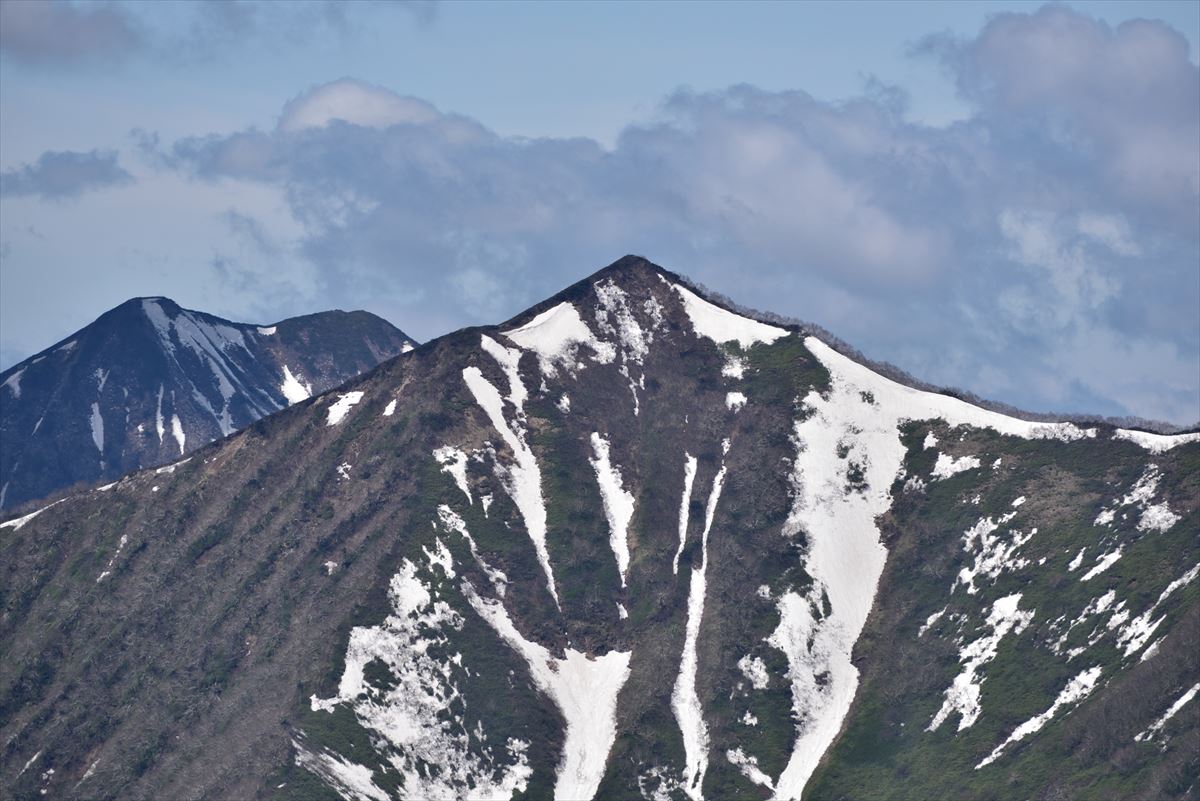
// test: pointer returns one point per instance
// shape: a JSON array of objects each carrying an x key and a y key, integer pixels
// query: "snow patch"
[
  {"x": 92, "y": 767},
  {"x": 962, "y": 696},
  {"x": 1077, "y": 561},
  {"x": 1157, "y": 518},
  {"x": 755, "y": 670},
  {"x": 719, "y": 325},
  {"x": 108, "y": 568},
  {"x": 417, "y": 719},
  {"x": 293, "y": 388},
  {"x": 390, "y": 409},
  {"x": 13, "y": 382},
  {"x": 454, "y": 462},
  {"x": 177, "y": 432},
  {"x": 167, "y": 469},
  {"x": 734, "y": 367},
  {"x": 615, "y": 318},
  {"x": 32, "y": 759},
  {"x": 159, "y": 427},
  {"x": 556, "y": 335},
  {"x": 1103, "y": 563},
  {"x": 97, "y": 423},
  {"x": 748, "y": 766},
  {"x": 992, "y": 554},
  {"x": 1153, "y": 517},
  {"x": 735, "y": 400},
  {"x": 341, "y": 407},
  {"x": 1097, "y": 606},
  {"x": 947, "y": 465},
  {"x": 348, "y": 779},
  {"x": 1139, "y": 630},
  {"x": 1156, "y": 443},
  {"x": 16, "y": 524},
  {"x": 584, "y": 688},
  {"x": 929, "y": 621}
]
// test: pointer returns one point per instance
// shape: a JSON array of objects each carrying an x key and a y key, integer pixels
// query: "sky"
[{"x": 998, "y": 196}]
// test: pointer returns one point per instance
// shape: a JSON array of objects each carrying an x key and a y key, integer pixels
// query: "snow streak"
[
  {"x": 522, "y": 479},
  {"x": 684, "y": 699},
  {"x": 1076, "y": 690},
  {"x": 618, "y": 502},
  {"x": 689, "y": 476},
  {"x": 1157, "y": 726}
]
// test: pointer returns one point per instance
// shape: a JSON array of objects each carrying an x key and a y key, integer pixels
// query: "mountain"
[
  {"x": 629, "y": 544},
  {"x": 149, "y": 382}
]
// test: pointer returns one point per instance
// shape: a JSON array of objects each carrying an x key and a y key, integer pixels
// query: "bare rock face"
[
  {"x": 629, "y": 544},
  {"x": 149, "y": 382}
]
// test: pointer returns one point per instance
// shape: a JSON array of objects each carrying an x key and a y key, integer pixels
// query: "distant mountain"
[
  {"x": 629, "y": 545},
  {"x": 149, "y": 382}
]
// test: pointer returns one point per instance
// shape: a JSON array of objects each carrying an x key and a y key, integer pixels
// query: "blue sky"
[{"x": 1003, "y": 197}]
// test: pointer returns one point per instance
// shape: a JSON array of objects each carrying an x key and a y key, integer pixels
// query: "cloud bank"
[
  {"x": 64, "y": 35},
  {"x": 55, "y": 33},
  {"x": 1041, "y": 252}
]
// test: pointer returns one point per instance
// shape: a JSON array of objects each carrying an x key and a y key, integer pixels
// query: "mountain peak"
[
  {"x": 148, "y": 381},
  {"x": 631, "y": 269}
]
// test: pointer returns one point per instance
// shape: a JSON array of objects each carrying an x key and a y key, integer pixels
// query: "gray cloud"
[
  {"x": 1126, "y": 100},
  {"x": 59, "y": 175},
  {"x": 1039, "y": 252},
  {"x": 62, "y": 34},
  {"x": 41, "y": 32}
]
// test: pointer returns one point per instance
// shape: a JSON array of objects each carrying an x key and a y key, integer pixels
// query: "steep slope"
[
  {"x": 627, "y": 545},
  {"x": 149, "y": 381}
]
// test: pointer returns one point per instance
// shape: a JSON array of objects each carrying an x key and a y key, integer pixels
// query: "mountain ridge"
[
  {"x": 633, "y": 262},
  {"x": 393, "y": 590}
]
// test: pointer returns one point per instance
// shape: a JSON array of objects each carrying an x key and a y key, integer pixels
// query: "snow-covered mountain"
[
  {"x": 629, "y": 544},
  {"x": 149, "y": 381}
]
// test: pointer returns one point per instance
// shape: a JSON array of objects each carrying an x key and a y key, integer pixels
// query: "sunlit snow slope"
[{"x": 630, "y": 544}]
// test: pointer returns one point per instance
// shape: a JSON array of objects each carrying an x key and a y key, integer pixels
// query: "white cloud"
[{"x": 356, "y": 103}]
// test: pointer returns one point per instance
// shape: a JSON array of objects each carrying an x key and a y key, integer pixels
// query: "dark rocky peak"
[{"x": 149, "y": 380}]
